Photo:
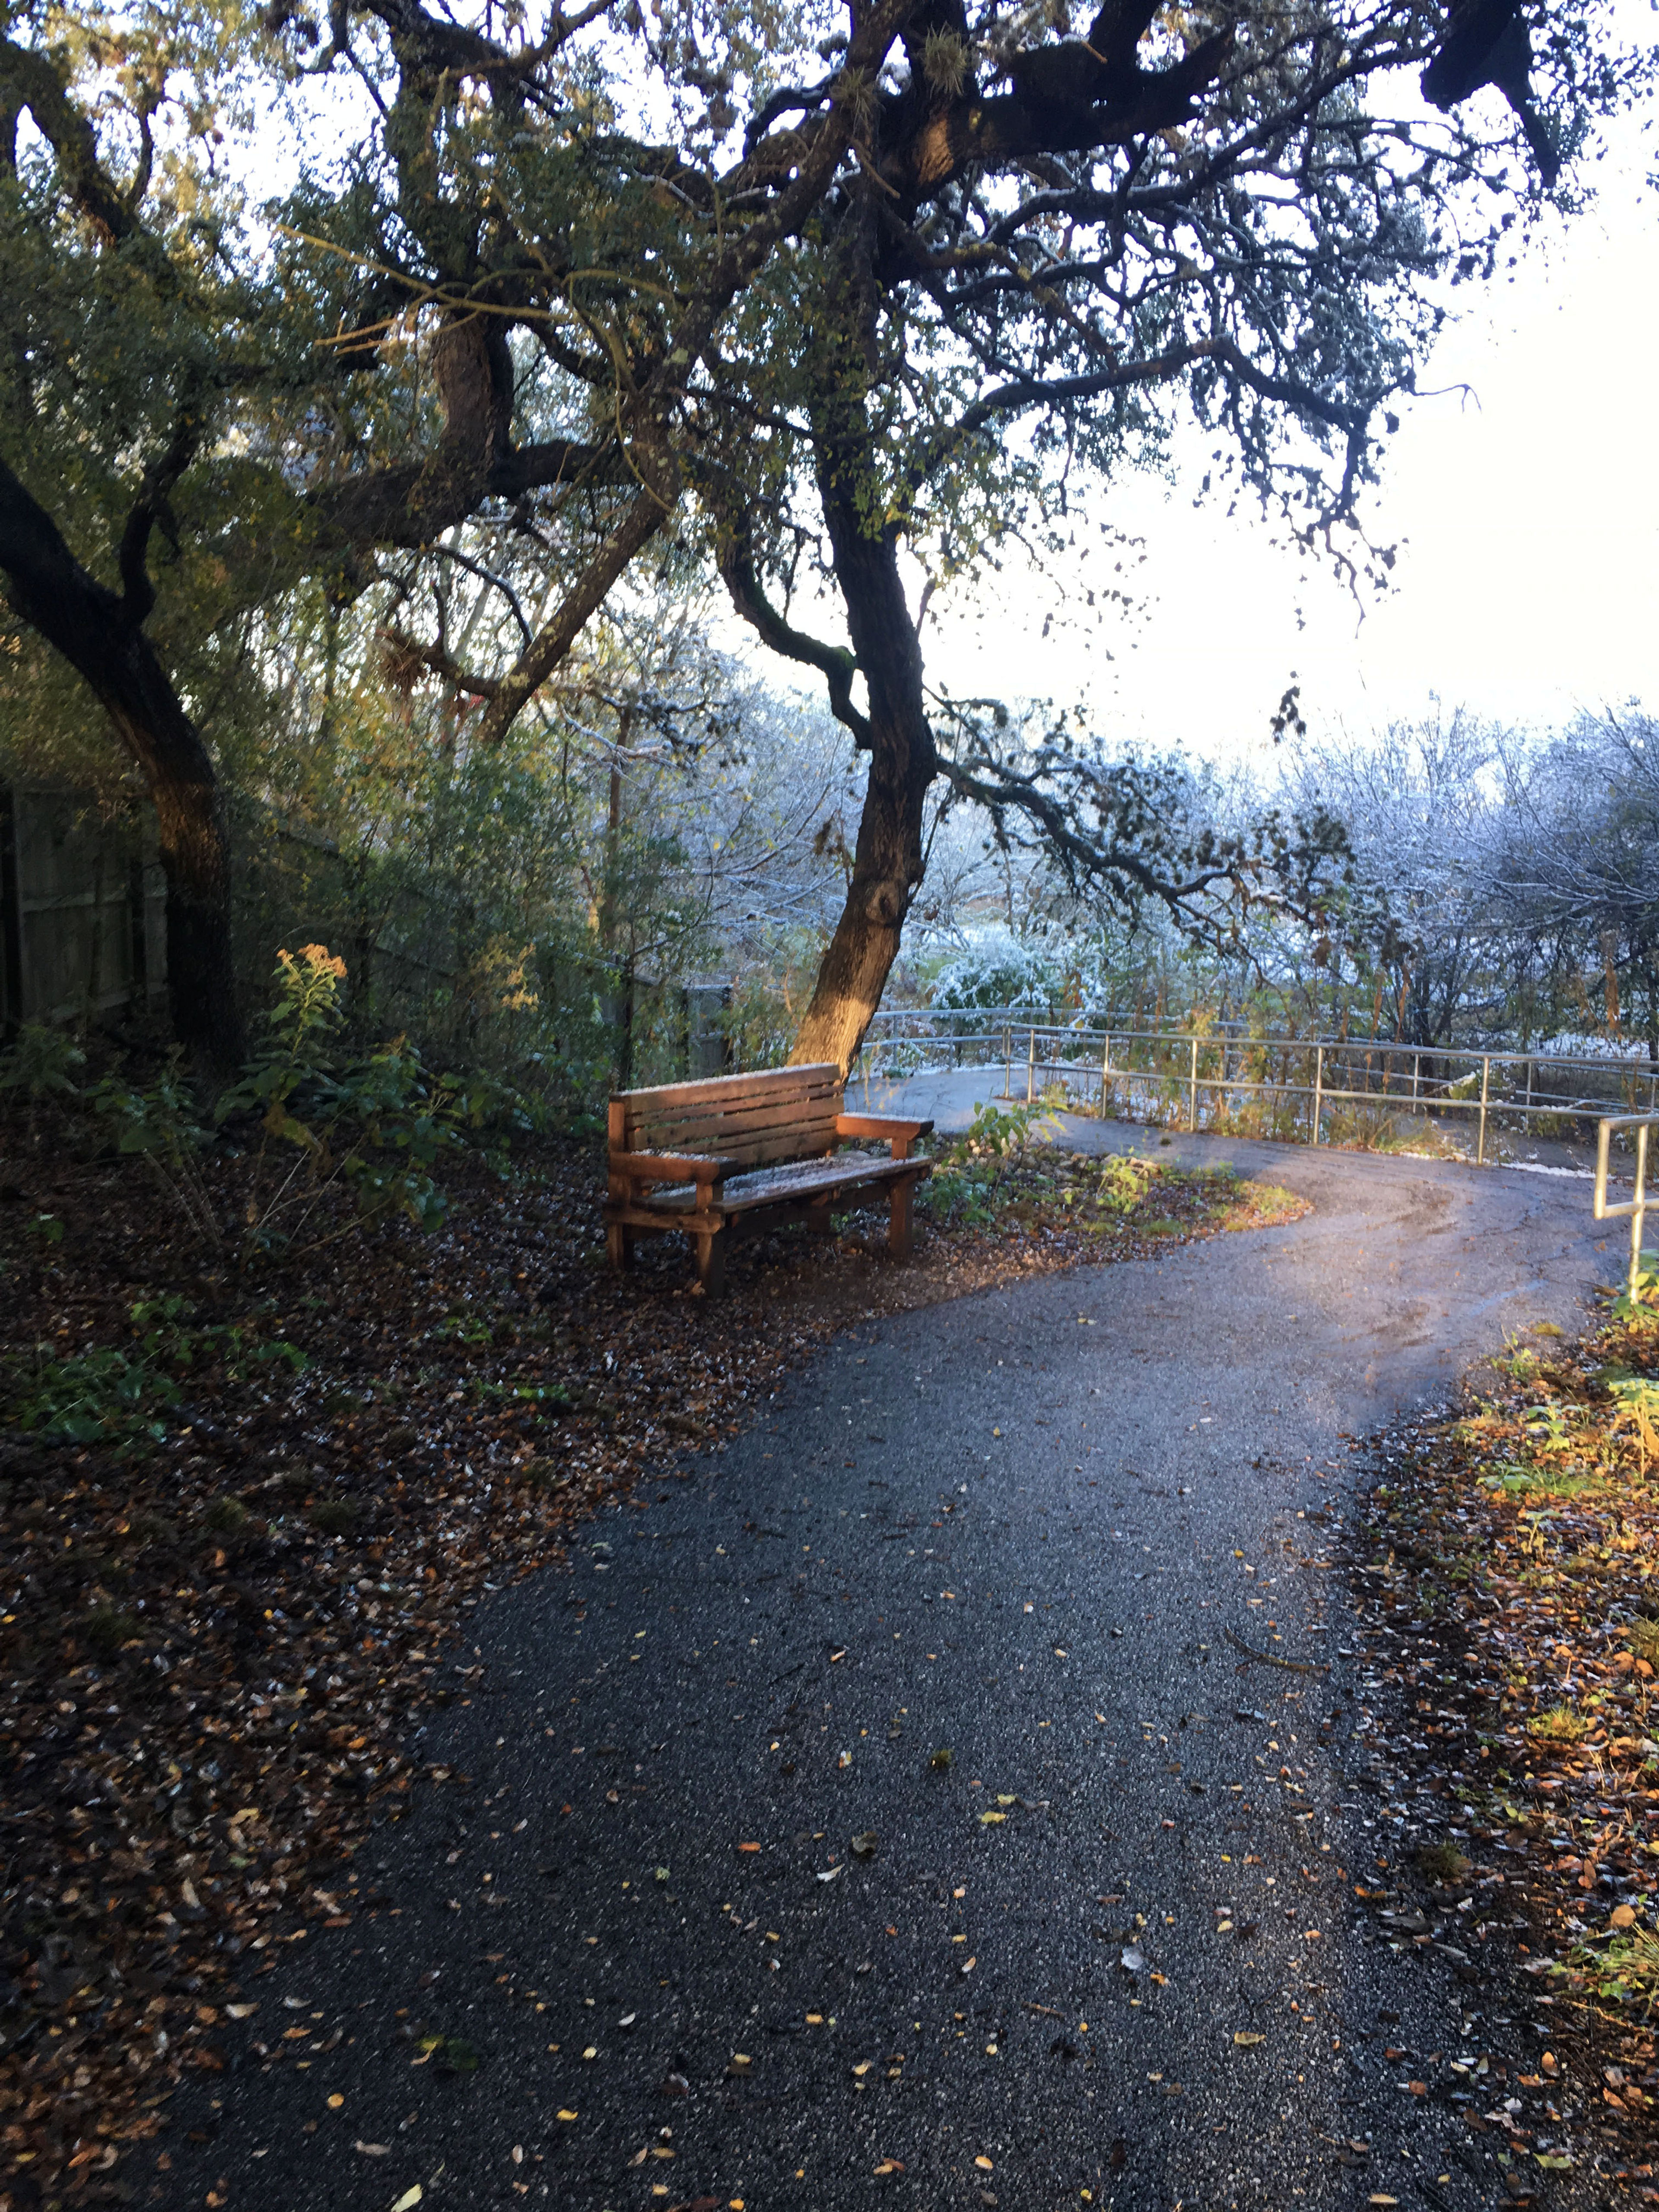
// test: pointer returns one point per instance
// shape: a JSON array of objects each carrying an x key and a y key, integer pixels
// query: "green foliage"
[
  {"x": 1557, "y": 1724},
  {"x": 122, "y": 1394},
  {"x": 1637, "y": 1303},
  {"x": 373, "y": 1125},
  {"x": 1624, "y": 1969},
  {"x": 1124, "y": 1180},
  {"x": 157, "y": 1124},
  {"x": 1002, "y": 1133},
  {"x": 105, "y": 1395},
  {"x": 376, "y": 1125},
  {"x": 1442, "y": 1863},
  {"x": 42, "y": 1064},
  {"x": 966, "y": 1182}
]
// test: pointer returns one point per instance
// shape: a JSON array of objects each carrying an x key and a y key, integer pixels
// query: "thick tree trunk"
[
  {"x": 102, "y": 636},
  {"x": 887, "y": 862}
]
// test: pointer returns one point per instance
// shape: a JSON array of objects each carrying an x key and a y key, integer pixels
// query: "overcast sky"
[{"x": 1528, "y": 512}]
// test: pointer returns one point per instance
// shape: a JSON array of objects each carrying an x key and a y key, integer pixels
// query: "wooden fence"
[{"x": 83, "y": 909}]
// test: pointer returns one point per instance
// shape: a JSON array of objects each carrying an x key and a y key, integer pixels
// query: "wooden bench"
[{"x": 741, "y": 1153}]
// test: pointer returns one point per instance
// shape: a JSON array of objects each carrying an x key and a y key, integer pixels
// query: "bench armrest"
[
  {"x": 671, "y": 1166},
  {"x": 901, "y": 1134}
]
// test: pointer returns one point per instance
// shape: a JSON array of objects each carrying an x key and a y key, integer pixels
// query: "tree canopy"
[{"x": 834, "y": 300}]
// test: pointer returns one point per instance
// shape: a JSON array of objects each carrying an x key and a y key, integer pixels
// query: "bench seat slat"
[{"x": 795, "y": 1181}]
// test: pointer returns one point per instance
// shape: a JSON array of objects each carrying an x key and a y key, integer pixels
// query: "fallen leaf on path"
[{"x": 1246, "y": 2036}]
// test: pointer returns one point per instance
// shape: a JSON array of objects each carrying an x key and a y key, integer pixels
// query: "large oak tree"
[
  {"x": 1055, "y": 249},
  {"x": 298, "y": 393},
  {"x": 536, "y": 302}
]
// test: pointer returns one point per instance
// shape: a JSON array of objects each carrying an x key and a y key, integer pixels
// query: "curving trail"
[{"x": 1025, "y": 1528}]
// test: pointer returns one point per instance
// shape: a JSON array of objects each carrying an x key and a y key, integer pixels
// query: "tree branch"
[
  {"x": 30, "y": 79},
  {"x": 834, "y": 663}
]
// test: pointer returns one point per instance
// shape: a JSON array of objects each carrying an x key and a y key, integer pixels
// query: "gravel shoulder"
[{"x": 1032, "y": 1528}]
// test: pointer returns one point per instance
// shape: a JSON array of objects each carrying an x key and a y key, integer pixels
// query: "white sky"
[{"x": 1528, "y": 514}]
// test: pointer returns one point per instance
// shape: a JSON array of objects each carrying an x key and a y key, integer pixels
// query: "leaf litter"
[
  {"x": 244, "y": 1520},
  {"x": 1507, "y": 1580}
]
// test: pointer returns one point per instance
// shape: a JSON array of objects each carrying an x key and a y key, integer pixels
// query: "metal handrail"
[
  {"x": 996, "y": 1019},
  {"x": 1326, "y": 1062},
  {"x": 1637, "y": 1206}
]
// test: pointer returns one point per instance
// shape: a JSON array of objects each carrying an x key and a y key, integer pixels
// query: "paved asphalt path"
[{"x": 1016, "y": 1528}]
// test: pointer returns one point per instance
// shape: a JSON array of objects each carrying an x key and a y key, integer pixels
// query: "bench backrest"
[{"x": 777, "y": 1114}]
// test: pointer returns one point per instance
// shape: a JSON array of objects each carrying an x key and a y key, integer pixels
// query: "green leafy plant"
[
  {"x": 1636, "y": 1397},
  {"x": 40, "y": 1064},
  {"x": 1639, "y": 1302},
  {"x": 1124, "y": 1181},
  {"x": 104, "y": 1395},
  {"x": 1557, "y": 1724},
  {"x": 373, "y": 1126},
  {"x": 156, "y": 1123},
  {"x": 1624, "y": 1969},
  {"x": 967, "y": 1180},
  {"x": 119, "y": 1395}
]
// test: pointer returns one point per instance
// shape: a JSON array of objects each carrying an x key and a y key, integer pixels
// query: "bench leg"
[
  {"x": 899, "y": 1219},
  {"x": 711, "y": 1263},
  {"x": 619, "y": 1244}
]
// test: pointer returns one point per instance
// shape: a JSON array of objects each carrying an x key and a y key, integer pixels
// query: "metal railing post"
[
  {"x": 1008, "y": 1052},
  {"x": 1030, "y": 1070},
  {"x": 1486, "y": 1085},
  {"x": 1105, "y": 1073},
  {"x": 1638, "y": 1214},
  {"x": 1192, "y": 1105},
  {"x": 1319, "y": 1089},
  {"x": 1638, "y": 1208}
]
